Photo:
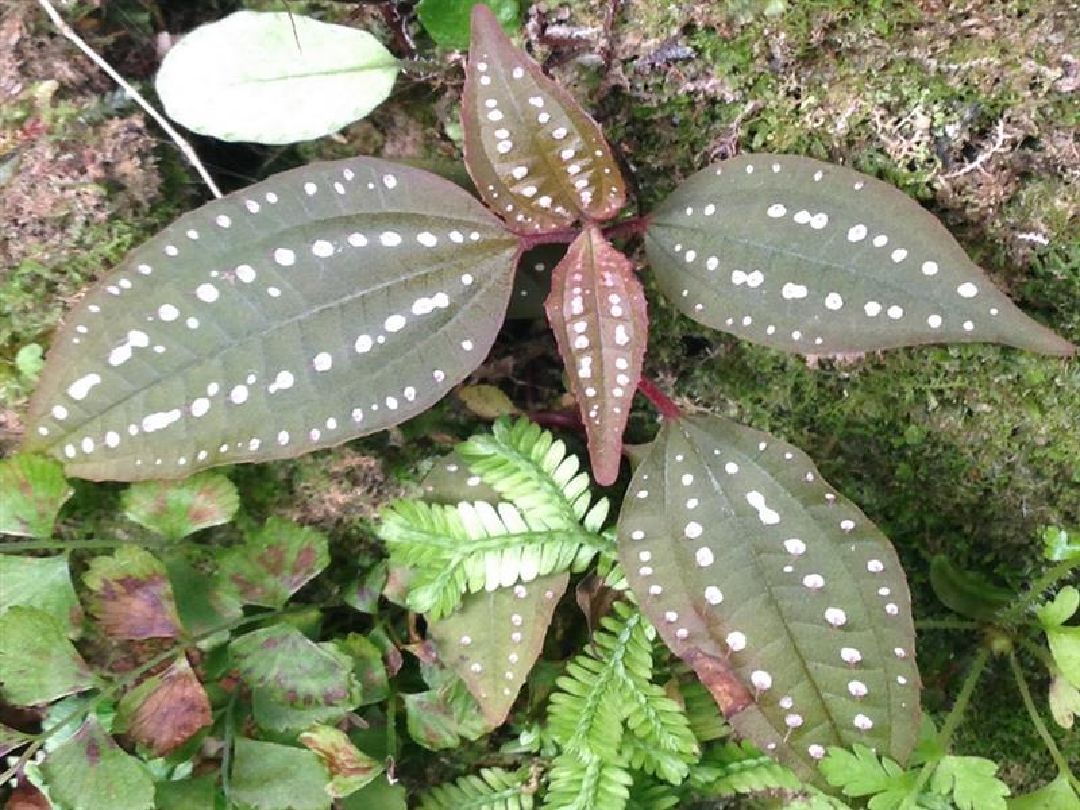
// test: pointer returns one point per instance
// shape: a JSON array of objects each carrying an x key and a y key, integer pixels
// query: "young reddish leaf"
[
  {"x": 165, "y": 710},
  {"x": 89, "y": 769},
  {"x": 176, "y": 509},
  {"x": 32, "y": 490},
  {"x": 813, "y": 258},
  {"x": 325, "y": 303},
  {"x": 43, "y": 583},
  {"x": 494, "y": 638},
  {"x": 535, "y": 155},
  {"x": 38, "y": 664},
  {"x": 350, "y": 769},
  {"x": 598, "y": 314},
  {"x": 788, "y": 603},
  {"x": 294, "y": 670},
  {"x": 131, "y": 595},
  {"x": 275, "y": 562}
]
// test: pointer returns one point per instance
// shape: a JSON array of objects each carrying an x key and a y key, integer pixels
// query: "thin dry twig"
[
  {"x": 998, "y": 146},
  {"x": 184, "y": 147}
]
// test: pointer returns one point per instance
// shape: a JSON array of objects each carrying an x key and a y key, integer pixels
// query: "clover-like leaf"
[
  {"x": 32, "y": 490},
  {"x": 495, "y": 637},
  {"x": 809, "y": 257},
  {"x": 273, "y": 77},
  {"x": 535, "y": 155},
  {"x": 176, "y": 509},
  {"x": 90, "y": 770},
  {"x": 295, "y": 670},
  {"x": 131, "y": 595},
  {"x": 785, "y": 599},
  {"x": 38, "y": 663},
  {"x": 43, "y": 583},
  {"x": 325, "y": 303},
  {"x": 274, "y": 563},
  {"x": 268, "y": 776},
  {"x": 350, "y": 769},
  {"x": 598, "y": 313},
  {"x": 166, "y": 709}
]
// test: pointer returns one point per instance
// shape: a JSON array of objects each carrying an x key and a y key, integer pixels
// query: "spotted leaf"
[
  {"x": 166, "y": 709},
  {"x": 131, "y": 596},
  {"x": 788, "y": 603},
  {"x": 494, "y": 638},
  {"x": 325, "y": 303},
  {"x": 535, "y": 155},
  {"x": 274, "y": 563},
  {"x": 597, "y": 310},
  {"x": 808, "y": 257},
  {"x": 176, "y": 509}
]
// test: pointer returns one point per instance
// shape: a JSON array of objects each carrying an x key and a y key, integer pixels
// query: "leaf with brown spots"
[
  {"x": 38, "y": 664},
  {"x": 176, "y": 509},
  {"x": 131, "y": 596},
  {"x": 32, "y": 490},
  {"x": 812, "y": 258},
  {"x": 598, "y": 313},
  {"x": 535, "y": 155},
  {"x": 786, "y": 600},
  {"x": 350, "y": 769},
  {"x": 274, "y": 563},
  {"x": 495, "y": 637},
  {"x": 165, "y": 710}
]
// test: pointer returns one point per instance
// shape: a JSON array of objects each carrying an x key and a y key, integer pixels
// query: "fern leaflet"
[
  {"x": 739, "y": 768},
  {"x": 588, "y": 783},
  {"x": 493, "y": 789},
  {"x": 527, "y": 466}
]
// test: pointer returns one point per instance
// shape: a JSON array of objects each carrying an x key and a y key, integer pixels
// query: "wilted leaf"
[
  {"x": 448, "y": 20},
  {"x": 176, "y": 509},
  {"x": 89, "y": 770},
  {"x": 350, "y": 769},
  {"x": 131, "y": 595},
  {"x": 598, "y": 313},
  {"x": 1065, "y": 647},
  {"x": 1064, "y": 701},
  {"x": 789, "y": 604},
  {"x": 43, "y": 583},
  {"x": 966, "y": 592},
  {"x": 295, "y": 670},
  {"x": 27, "y": 797},
  {"x": 274, "y": 563},
  {"x": 813, "y": 258},
  {"x": 535, "y": 155},
  {"x": 273, "y": 77},
  {"x": 440, "y": 718},
  {"x": 486, "y": 401},
  {"x": 32, "y": 490},
  {"x": 495, "y": 637},
  {"x": 165, "y": 710},
  {"x": 268, "y": 776},
  {"x": 37, "y": 662},
  {"x": 325, "y": 303}
]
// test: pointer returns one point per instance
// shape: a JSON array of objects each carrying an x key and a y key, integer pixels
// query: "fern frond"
[
  {"x": 492, "y": 789},
  {"x": 707, "y": 723},
  {"x": 527, "y": 466},
  {"x": 646, "y": 794},
  {"x": 587, "y": 783},
  {"x": 739, "y": 768},
  {"x": 468, "y": 547}
]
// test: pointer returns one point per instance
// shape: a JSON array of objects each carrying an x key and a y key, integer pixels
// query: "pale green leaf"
[
  {"x": 491, "y": 789},
  {"x": 1065, "y": 647},
  {"x": 972, "y": 783},
  {"x": 813, "y": 258},
  {"x": 1058, "y": 795},
  {"x": 32, "y": 490},
  {"x": 38, "y": 663},
  {"x": 268, "y": 776},
  {"x": 43, "y": 583},
  {"x": 1064, "y": 701},
  {"x": 324, "y": 303},
  {"x": 89, "y": 771},
  {"x": 1058, "y": 611},
  {"x": 273, "y": 77}
]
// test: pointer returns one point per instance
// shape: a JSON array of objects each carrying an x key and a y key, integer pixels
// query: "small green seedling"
[{"x": 343, "y": 298}]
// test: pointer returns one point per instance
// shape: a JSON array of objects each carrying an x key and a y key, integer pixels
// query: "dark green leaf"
[
  {"x": 598, "y": 313},
  {"x": 813, "y": 258},
  {"x": 186, "y": 794},
  {"x": 37, "y": 662},
  {"x": 43, "y": 583},
  {"x": 362, "y": 593},
  {"x": 165, "y": 710},
  {"x": 788, "y": 603},
  {"x": 532, "y": 283},
  {"x": 495, "y": 637},
  {"x": 176, "y": 509},
  {"x": 267, "y": 776},
  {"x": 350, "y": 769},
  {"x": 733, "y": 768},
  {"x": 296, "y": 671},
  {"x": 439, "y": 718},
  {"x": 273, "y": 77},
  {"x": 448, "y": 20},
  {"x": 32, "y": 490},
  {"x": 89, "y": 770},
  {"x": 325, "y": 303},
  {"x": 379, "y": 795},
  {"x": 368, "y": 668},
  {"x": 966, "y": 592},
  {"x": 200, "y": 603},
  {"x": 131, "y": 595},
  {"x": 535, "y": 155},
  {"x": 274, "y": 563}
]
